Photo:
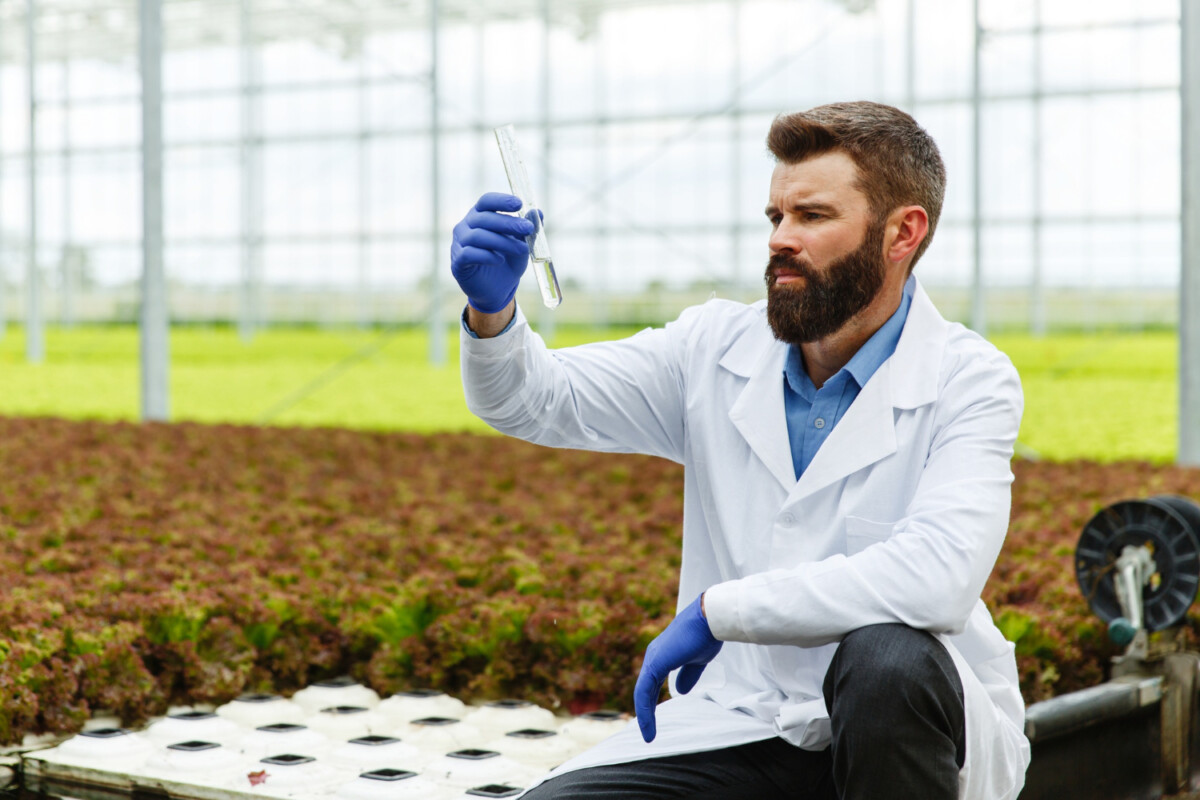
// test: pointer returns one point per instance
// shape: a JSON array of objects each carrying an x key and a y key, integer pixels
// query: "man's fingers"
[
  {"x": 474, "y": 257},
  {"x": 645, "y": 700},
  {"x": 488, "y": 240},
  {"x": 687, "y": 677},
  {"x": 498, "y": 223},
  {"x": 498, "y": 201}
]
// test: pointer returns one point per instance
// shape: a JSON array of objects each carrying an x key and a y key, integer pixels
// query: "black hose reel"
[{"x": 1138, "y": 564}]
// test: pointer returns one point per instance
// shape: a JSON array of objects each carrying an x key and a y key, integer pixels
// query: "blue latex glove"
[
  {"x": 688, "y": 643},
  {"x": 488, "y": 253}
]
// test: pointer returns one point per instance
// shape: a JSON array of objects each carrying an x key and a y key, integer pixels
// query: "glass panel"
[
  {"x": 106, "y": 197},
  {"x": 204, "y": 118},
  {"x": 106, "y": 125},
  {"x": 1067, "y": 178},
  {"x": 1007, "y": 64},
  {"x": 691, "y": 69},
  {"x": 399, "y": 106},
  {"x": 947, "y": 262},
  {"x": 201, "y": 68},
  {"x": 1107, "y": 11},
  {"x": 299, "y": 61},
  {"x": 309, "y": 189},
  {"x": 95, "y": 78},
  {"x": 204, "y": 192},
  {"x": 203, "y": 267},
  {"x": 944, "y": 38},
  {"x": 1007, "y": 253},
  {"x": 1000, "y": 15},
  {"x": 510, "y": 94},
  {"x": 399, "y": 195},
  {"x": 1007, "y": 142},
  {"x": 294, "y": 113},
  {"x": 950, "y": 127}
]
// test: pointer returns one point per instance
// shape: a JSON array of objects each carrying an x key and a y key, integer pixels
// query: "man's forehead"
[{"x": 829, "y": 178}]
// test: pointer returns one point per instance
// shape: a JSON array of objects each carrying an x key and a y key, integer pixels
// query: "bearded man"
[{"x": 847, "y": 488}]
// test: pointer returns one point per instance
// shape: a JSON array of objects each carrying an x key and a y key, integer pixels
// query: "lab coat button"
[{"x": 788, "y": 519}]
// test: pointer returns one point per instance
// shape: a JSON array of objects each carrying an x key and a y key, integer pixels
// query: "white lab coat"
[{"x": 899, "y": 517}]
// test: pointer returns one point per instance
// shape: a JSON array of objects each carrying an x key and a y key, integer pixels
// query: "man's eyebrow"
[{"x": 803, "y": 205}]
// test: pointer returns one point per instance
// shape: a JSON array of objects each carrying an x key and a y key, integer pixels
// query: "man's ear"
[{"x": 906, "y": 229}]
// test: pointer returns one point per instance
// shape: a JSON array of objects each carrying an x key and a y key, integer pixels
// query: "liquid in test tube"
[{"x": 539, "y": 248}]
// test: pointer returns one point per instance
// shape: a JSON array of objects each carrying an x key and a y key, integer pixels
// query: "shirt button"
[{"x": 820, "y": 423}]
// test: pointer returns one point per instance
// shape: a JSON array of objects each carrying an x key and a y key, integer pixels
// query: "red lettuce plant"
[{"x": 146, "y": 565}]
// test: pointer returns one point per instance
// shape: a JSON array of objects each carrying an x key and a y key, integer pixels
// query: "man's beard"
[{"x": 825, "y": 300}]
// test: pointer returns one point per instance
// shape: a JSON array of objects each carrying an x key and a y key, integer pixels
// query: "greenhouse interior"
[{"x": 244, "y": 209}]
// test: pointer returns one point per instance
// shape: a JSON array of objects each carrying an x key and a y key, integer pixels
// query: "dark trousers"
[{"x": 899, "y": 730}]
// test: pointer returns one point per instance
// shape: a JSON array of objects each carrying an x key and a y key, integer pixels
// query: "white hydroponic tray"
[{"x": 335, "y": 740}]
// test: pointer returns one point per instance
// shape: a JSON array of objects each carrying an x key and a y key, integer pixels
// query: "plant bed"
[{"x": 150, "y": 565}]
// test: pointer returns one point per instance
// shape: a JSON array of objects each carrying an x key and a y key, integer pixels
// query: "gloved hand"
[
  {"x": 488, "y": 253},
  {"x": 687, "y": 642}
]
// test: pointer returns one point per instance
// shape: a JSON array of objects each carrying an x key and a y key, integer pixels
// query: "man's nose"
[{"x": 784, "y": 239}]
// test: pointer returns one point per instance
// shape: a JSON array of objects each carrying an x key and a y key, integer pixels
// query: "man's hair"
[{"x": 898, "y": 162}]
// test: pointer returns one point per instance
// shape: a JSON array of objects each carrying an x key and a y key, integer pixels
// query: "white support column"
[
  {"x": 1189, "y": 273},
  {"x": 978, "y": 306},
  {"x": 3, "y": 274},
  {"x": 485, "y": 143},
  {"x": 910, "y": 57},
  {"x": 1037, "y": 293},
  {"x": 545, "y": 315},
  {"x": 154, "y": 317},
  {"x": 736, "y": 211},
  {"x": 438, "y": 261},
  {"x": 70, "y": 264},
  {"x": 363, "y": 303},
  {"x": 250, "y": 314},
  {"x": 35, "y": 341},
  {"x": 604, "y": 293}
]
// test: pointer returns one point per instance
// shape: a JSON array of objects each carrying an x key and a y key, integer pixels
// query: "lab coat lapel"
[
  {"x": 906, "y": 380},
  {"x": 758, "y": 412},
  {"x": 865, "y": 434}
]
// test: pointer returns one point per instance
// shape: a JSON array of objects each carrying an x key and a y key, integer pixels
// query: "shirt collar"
[{"x": 863, "y": 364}]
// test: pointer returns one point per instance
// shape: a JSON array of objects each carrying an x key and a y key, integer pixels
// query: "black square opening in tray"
[
  {"x": 341, "y": 682},
  {"x": 280, "y": 727},
  {"x": 193, "y": 716},
  {"x": 374, "y": 740},
  {"x": 256, "y": 697},
  {"x": 531, "y": 733},
  {"x": 344, "y": 710},
  {"x": 509, "y": 704},
  {"x": 388, "y": 774},
  {"x": 287, "y": 760},
  {"x": 602, "y": 716},
  {"x": 434, "y": 722},
  {"x": 473, "y": 754},
  {"x": 193, "y": 746},
  {"x": 104, "y": 733},
  {"x": 495, "y": 790}
]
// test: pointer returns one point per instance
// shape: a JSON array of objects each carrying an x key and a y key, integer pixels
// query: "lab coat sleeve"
[
  {"x": 622, "y": 396},
  {"x": 930, "y": 572}
]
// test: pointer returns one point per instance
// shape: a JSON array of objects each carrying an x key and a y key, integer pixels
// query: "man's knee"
[
  {"x": 882, "y": 671},
  {"x": 884, "y": 659}
]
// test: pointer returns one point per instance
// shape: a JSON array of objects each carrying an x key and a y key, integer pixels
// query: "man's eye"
[
  {"x": 775, "y": 220},
  {"x": 812, "y": 216}
]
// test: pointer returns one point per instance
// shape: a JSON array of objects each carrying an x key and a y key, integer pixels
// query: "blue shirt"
[{"x": 812, "y": 413}]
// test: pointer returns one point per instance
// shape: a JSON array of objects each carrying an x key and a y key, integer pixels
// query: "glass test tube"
[{"x": 539, "y": 248}]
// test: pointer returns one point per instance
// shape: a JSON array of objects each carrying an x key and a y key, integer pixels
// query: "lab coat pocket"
[{"x": 861, "y": 533}]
